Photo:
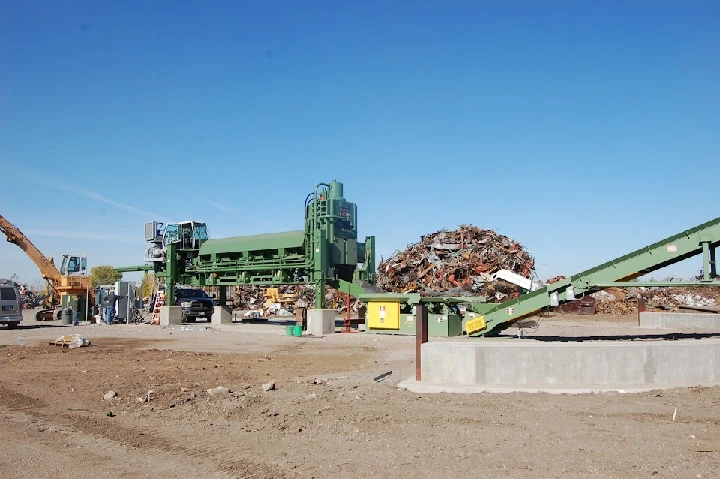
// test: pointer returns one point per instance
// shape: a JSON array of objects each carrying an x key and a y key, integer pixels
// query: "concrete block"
[
  {"x": 321, "y": 321},
  {"x": 529, "y": 366},
  {"x": 221, "y": 315},
  {"x": 170, "y": 315},
  {"x": 662, "y": 320}
]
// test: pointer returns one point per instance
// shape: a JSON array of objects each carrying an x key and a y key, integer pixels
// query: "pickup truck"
[
  {"x": 194, "y": 303},
  {"x": 10, "y": 312}
]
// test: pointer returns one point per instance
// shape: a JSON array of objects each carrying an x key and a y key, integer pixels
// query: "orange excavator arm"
[{"x": 14, "y": 235}]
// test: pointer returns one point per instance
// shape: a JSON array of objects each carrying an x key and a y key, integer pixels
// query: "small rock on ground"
[{"x": 218, "y": 390}]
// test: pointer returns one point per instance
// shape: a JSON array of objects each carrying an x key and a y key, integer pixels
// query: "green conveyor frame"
[{"x": 702, "y": 239}]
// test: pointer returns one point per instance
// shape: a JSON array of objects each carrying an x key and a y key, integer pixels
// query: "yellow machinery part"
[
  {"x": 272, "y": 294},
  {"x": 383, "y": 315},
  {"x": 475, "y": 325}
]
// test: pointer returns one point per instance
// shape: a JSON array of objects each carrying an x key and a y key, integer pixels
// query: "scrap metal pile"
[
  {"x": 28, "y": 299},
  {"x": 618, "y": 301},
  {"x": 457, "y": 263},
  {"x": 254, "y": 298}
]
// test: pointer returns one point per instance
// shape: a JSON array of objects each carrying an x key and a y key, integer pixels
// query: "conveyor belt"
[{"x": 702, "y": 239}]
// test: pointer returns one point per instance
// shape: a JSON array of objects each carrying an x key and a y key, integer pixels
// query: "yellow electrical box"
[
  {"x": 382, "y": 315},
  {"x": 475, "y": 325}
]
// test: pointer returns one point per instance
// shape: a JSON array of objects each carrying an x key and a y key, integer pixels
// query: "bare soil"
[{"x": 326, "y": 417}]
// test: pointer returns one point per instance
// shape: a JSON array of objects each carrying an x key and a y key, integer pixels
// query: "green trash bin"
[
  {"x": 297, "y": 330},
  {"x": 65, "y": 316},
  {"x": 289, "y": 330}
]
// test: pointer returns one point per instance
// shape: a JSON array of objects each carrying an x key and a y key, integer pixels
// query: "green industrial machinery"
[
  {"x": 486, "y": 319},
  {"x": 326, "y": 252},
  {"x": 132, "y": 269},
  {"x": 390, "y": 313},
  {"x": 620, "y": 272}
]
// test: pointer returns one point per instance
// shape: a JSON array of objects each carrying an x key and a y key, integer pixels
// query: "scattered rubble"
[
  {"x": 28, "y": 299},
  {"x": 110, "y": 395},
  {"x": 252, "y": 299},
  {"x": 218, "y": 391},
  {"x": 270, "y": 386},
  {"x": 620, "y": 301},
  {"x": 71, "y": 341},
  {"x": 459, "y": 262}
]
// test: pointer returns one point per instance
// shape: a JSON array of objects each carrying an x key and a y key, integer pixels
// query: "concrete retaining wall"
[
  {"x": 567, "y": 367},
  {"x": 679, "y": 320}
]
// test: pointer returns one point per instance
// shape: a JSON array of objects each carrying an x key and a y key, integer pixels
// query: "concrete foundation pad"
[
  {"x": 221, "y": 315},
  {"x": 663, "y": 320},
  {"x": 321, "y": 321},
  {"x": 423, "y": 388},
  {"x": 170, "y": 315},
  {"x": 529, "y": 366}
]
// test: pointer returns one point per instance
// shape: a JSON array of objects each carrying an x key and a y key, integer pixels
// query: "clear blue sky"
[{"x": 583, "y": 129}]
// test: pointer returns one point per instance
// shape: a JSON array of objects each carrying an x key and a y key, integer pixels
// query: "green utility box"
[
  {"x": 439, "y": 325},
  {"x": 77, "y": 304},
  {"x": 395, "y": 314}
]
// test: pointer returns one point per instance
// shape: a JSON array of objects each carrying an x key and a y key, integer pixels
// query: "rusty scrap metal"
[
  {"x": 458, "y": 263},
  {"x": 252, "y": 298},
  {"x": 28, "y": 299},
  {"x": 582, "y": 306},
  {"x": 621, "y": 301}
]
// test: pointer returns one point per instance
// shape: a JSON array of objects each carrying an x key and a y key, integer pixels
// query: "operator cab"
[
  {"x": 186, "y": 234},
  {"x": 74, "y": 265}
]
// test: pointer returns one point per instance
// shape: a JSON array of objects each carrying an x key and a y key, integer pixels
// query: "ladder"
[{"x": 159, "y": 301}]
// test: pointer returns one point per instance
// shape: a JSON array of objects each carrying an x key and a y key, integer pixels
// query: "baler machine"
[{"x": 326, "y": 252}]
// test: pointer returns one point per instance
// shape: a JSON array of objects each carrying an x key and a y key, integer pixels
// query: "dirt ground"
[{"x": 326, "y": 417}]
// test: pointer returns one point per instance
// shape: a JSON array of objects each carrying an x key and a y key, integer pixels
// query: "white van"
[{"x": 10, "y": 312}]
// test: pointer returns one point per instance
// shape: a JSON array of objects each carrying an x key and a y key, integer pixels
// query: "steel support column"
[
  {"x": 706, "y": 261},
  {"x": 320, "y": 267},
  {"x": 421, "y": 336},
  {"x": 171, "y": 274},
  {"x": 713, "y": 264}
]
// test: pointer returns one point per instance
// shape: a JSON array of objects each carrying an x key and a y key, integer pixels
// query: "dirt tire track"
[{"x": 103, "y": 437}]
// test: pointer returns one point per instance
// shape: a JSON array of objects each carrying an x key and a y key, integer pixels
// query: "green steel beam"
[
  {"x": 352, "y": 289},
  {"x": 415, "y": 298},
  {"x": 171, "y": 273},
  {"x": 130, "y": 269},
  {"x": 700, "y": 239}
]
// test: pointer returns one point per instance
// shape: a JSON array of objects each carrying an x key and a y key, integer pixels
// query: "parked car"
[
  {"x": 10, "y": 312},
  {"x": 194, "y": 303}
]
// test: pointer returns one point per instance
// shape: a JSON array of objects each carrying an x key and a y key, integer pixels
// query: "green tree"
[
  {"x": 146, "y": 286},
  {"x": 104, "y": 274}
]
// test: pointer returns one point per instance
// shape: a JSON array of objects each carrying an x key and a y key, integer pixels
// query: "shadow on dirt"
[{"x": 618, "y": 337}]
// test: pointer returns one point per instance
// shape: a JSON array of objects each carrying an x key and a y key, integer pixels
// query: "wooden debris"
[
  {"x": 70, "y": 341},
  {"x": 63, "y": 341}
]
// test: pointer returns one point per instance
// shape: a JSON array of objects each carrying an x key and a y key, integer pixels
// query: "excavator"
[{"x": 70, "y": 282}]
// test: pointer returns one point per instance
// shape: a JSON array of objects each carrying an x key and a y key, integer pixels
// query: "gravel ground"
[{"x": 325, "y": 415}]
